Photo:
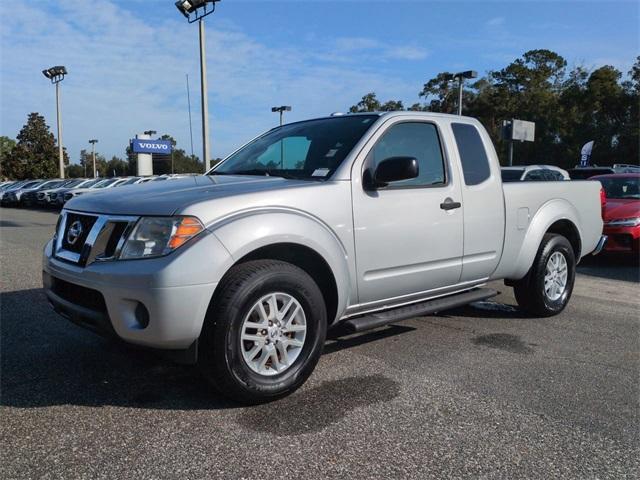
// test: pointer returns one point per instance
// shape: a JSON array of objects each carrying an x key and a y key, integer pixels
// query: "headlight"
[
  {"x": 157, "y": 236},
  {"x": 624, "y": 222}
]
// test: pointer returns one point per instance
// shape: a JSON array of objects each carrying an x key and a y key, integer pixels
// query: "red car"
[{"x": 622, "y": 211}]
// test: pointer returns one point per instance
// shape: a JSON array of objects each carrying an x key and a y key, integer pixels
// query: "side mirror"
[{"x": 392, "y": 169}]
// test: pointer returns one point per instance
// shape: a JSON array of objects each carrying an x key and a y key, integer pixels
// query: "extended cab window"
[
  {"x": 412, "y": 139},
  {"x": 475, "y": 164}
]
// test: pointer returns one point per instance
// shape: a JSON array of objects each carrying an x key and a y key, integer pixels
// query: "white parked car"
[{"x": 534, "y": 173}]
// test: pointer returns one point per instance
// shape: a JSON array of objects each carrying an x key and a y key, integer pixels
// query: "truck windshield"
[{"x": 310, "y": 150}]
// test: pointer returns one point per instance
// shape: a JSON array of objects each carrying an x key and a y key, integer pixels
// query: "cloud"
[
  {"x": 495, "y": 22},
  {"x": 380, "y": 50},
  {"x": 127, "y": 75},
  {"x": 407, "y": 52}
]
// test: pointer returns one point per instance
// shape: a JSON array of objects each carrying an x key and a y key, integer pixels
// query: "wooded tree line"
[
  {"x": 35, "y": 155},
  {"x": 569, "y": 108}
]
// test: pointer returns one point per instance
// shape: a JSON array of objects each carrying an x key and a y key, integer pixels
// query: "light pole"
[
  {"x": 196, "y": 10},
  {"x": 56, "y": 75},
  {"x": 281, "y": 110},
  {"x": 93, "y": 142},
  {"x": 460, "y": 76}
]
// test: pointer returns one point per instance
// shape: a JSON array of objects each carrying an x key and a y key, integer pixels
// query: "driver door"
[{"x": 406, "y": 242}]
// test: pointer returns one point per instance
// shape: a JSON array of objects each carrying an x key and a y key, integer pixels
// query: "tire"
[
  {"x": 530, "y": 292},
  {"x": 222, "y": 350}
]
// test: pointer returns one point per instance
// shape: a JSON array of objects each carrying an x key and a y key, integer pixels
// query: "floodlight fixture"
[
  {"x": 467, "y": 74},
  {"x": 150, "y": 132},
  {"x": 281, "y": 110},
  {"x": 55, "y": 74},
  {"x": 194, "y": 10}
]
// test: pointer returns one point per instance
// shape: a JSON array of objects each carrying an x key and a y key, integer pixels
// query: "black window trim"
[{"x": 443, "y": 153}]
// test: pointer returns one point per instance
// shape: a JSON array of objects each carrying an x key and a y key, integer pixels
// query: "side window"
[
  {"x": 535, "y": 176},
  {"x": 555, "y": 176},
  {"x": 475, "y": 164},
  {"x": 412, "y": 139}
]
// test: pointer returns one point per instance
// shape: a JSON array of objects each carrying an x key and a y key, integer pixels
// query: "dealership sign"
[{"x": 151, "y": 146}]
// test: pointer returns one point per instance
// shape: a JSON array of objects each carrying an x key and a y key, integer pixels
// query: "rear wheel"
[
  {"x": 547, "y": 287},
  {"x": 264, "y": 332}
]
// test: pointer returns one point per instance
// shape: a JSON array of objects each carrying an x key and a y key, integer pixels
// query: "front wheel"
[
  {"x": 264, "y": 332},
  {"x": 547, "y": 287}
]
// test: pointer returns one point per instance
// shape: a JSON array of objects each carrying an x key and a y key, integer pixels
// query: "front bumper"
[
  {"x": 622, "y": 239},
  {"x": 159, "y": 302}
]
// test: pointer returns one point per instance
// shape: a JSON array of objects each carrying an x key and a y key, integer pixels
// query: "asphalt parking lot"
[{"x": 475, "y": 392}]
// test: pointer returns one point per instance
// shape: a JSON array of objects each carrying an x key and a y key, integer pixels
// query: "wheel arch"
[
  {"x": 297, "y": 239},
  {"x": 556, "y": 216}
]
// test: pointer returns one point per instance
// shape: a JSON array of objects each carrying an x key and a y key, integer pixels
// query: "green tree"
[
  {"x": 35, "y": 155},
  {"x": 86, "y": 162},
  {"x": 629, "y": 136},
  {"x": 116, "y": 167},
  {"x": 182, "y": 163},
  {"x": 392, "y": 106},
  {"x": 440, "y": 94},
  {"x": 6, "y": 145},
  {"x": 369, "y": 103},
  {"x": 75, "y": 171}
]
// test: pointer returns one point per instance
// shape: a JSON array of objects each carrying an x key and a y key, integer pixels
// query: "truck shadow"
[
  {"x": 624, "y": 267},
  {"x": 48, "y": 361},
  {"x": 487, "y": 309}
]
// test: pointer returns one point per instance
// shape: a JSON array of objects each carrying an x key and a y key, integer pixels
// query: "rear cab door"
[{"x": 482, "y": 197}]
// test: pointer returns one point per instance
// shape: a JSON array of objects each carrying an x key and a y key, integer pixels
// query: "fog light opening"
[{"x": 142, "y": 315}]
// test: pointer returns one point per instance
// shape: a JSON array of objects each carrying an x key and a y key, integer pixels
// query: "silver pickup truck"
[{"x": 349, "y": 222}]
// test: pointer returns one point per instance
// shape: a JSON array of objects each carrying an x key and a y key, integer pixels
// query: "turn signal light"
[{"x": 186, "y": 229}]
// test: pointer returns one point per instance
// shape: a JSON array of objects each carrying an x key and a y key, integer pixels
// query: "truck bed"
[{"x": 531, "y": 206}]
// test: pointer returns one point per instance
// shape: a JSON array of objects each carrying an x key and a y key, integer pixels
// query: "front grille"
[
  {"x": 624, "y": 240},
  {"x": 83, "y": 238},
  {"x": 74, "y": 220},
  {"x": 115, "y": 236},
  {"x": 78, "y": 295}
]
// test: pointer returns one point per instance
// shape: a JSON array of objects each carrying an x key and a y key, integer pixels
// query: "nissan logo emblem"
[{"x": 74, "y": 232}]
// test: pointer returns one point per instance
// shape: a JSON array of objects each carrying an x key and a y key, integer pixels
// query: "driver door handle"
[{"x": 449, "y": 204}]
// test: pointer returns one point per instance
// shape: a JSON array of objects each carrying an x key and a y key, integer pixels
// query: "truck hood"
[
  {"x": 620, "y": 208},
  {"x": 171, "y": 196}
]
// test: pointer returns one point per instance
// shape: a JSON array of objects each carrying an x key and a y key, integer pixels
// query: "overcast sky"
[{"x": 127, "y": 60}]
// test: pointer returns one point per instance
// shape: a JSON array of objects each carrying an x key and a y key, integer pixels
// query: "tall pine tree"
[{"x": 36, "y": 153}]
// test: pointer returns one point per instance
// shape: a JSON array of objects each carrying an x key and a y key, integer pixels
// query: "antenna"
[{"x": 190, "y": 125}]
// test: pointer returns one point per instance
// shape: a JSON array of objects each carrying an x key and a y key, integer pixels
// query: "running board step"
[{"x": 379, "y": 319}]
